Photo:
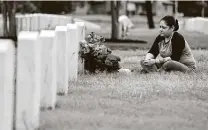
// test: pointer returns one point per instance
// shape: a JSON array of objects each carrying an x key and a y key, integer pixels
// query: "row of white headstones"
[
  {"x": 45, "y": 62},
  {"x": 39, "y": 21},
  {"x": 33, "y": 22}
]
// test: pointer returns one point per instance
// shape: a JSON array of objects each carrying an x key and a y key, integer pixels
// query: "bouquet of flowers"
[{"x": 97, "y": 57}]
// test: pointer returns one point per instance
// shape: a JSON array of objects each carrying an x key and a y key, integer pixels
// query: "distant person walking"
[
  {"x": 170, "y": 51},
  {"x": 126, "y": 24}
]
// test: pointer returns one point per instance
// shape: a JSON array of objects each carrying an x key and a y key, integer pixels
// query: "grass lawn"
[
  {"x": 157, "y": 101},
  {"x": 134, "y": 101}
]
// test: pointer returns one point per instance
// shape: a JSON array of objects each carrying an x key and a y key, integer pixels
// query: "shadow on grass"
[
  {"x": 125, "y": 44},
  {"x": 125, "y": 41},
  {"x": 123, "y": 48}
]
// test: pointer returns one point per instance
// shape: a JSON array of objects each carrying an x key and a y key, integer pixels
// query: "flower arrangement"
[{"x": 97, "y": 57}]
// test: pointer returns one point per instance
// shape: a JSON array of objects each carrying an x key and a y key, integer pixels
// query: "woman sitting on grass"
[{"x": 170, "y": 51}]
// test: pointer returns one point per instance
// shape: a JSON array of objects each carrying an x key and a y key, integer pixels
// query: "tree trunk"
[
  {"x": 173, "y": 9},
  {"x": 203, "y": 8},
  {"x": 149, "y": 14},
  {"x": 125, "y": 8},
  {"x": 8, "y": 11},
  {"x": 12, "y": 19},
  {"x": 4, "y": 13},
  {"x": 114, "y": 19},
  {"x": 176, "y": 8}
]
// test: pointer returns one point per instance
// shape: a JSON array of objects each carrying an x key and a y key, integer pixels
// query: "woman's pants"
[{"x": 170, "y": 65}]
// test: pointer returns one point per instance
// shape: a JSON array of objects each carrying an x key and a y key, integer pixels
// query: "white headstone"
[
  {"x": 63, "y": 20},
  {"x": 206, "y": 26},
  {"x": 48, "y": 69},
  {"x": 49, "y": 20},
  {"x": 81, "y": 30},
  {"x": 28, "y": 81},
  {"x": 34, "y": 22},
  {"x": 81, "y": 36},
  {"x": 41, "y": 23},
  {"x": 7, "y": 59},
  {"x": 193, "y": 24},
  {"x": 199, "y": 21},
  {"x": 54, "y": 21},
  {"x": 72, "y": 41},
  {"x": 27, "y": 26},
  {"x": 43, "y": 18},
  {"x": 190, "y": 24},
  {"x": 29, "y": 20},
  {"x": 89, "y": 25},
  {"x": 62, "y": 59},
  {"x": 24, "y": 23},
  {"x": 19, "y": 20}
]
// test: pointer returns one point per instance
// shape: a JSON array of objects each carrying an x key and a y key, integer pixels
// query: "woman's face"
[{"x": 165, "y": 30}]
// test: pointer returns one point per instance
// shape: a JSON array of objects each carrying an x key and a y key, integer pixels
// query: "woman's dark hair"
[{"x": 171, "y": 21}]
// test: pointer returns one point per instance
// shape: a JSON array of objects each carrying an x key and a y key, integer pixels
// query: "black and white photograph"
[{"x": 104, "y": 65}]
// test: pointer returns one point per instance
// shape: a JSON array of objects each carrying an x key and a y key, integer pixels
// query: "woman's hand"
[
  {"x": 149, "y": 62},
  {"x": 163, "y": 60},
  {"x": 167, "y": 59}
]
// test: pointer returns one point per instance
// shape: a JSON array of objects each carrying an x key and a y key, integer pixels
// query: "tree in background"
[
  {"x": 193, "y": 8},
  {"x": 9, "y": 20},
  {"x": 149, "y": 14},
  {"x": 54, "y": 7},
  {"x": 114, "y": 20},
  {"x": 57, "y": 7}
]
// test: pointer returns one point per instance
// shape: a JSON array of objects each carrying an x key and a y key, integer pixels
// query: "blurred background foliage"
[
  {"x": 51, "y": 7},
  {"x": 188, "y": 8},
  {"x": 192, "y": 8}
]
